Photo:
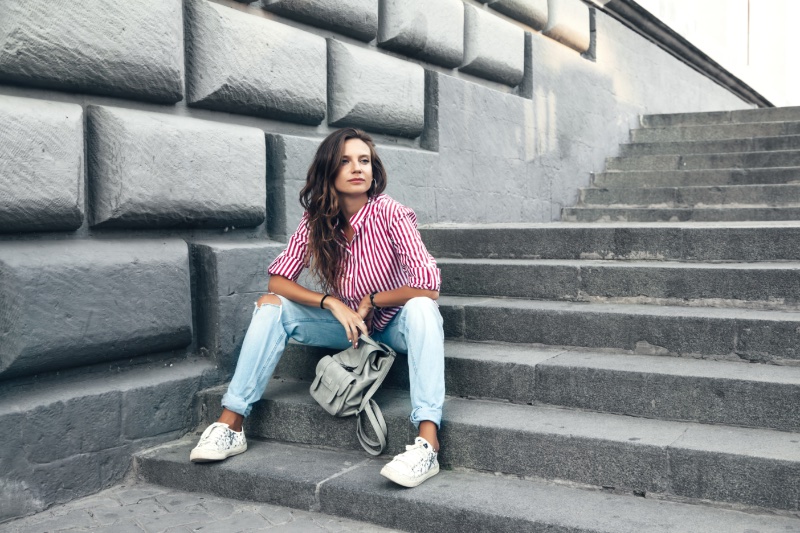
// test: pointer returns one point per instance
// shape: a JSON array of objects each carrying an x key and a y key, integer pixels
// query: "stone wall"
[{"x": 152, "y": 151}]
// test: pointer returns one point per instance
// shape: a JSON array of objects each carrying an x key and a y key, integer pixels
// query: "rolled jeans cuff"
[
  {"x": 420, "y": 414},
  {"x": 237, "y": 405}
]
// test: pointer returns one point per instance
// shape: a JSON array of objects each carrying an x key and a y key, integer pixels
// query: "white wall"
[{"x": 720, "y": 29}]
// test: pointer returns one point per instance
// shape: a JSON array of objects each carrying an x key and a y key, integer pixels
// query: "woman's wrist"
[{"x": 372, "y": 300}]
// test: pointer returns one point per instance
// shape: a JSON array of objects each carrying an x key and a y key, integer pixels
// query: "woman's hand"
[
  {"x": 365, "y": 311},
  {"x": 354, "y": 324}
]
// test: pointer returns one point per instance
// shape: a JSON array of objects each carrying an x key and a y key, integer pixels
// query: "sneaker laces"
[
  {"x": 215, "y": 434},
  {"x": 416, "y": 453}
]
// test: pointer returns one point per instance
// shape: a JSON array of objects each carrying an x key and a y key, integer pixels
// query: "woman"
[{"x": 377, "y": 277}]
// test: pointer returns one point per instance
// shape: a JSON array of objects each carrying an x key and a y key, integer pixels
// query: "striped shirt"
[{"x": 386, "y": 253}]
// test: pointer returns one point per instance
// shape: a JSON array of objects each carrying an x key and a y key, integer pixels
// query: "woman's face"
[{"x": 355, "y": 169}]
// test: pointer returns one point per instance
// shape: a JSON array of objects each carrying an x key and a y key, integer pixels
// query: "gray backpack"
[{"x": 346, "y": 381}]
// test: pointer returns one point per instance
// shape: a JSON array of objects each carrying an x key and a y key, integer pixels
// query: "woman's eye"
[{"x": 364, "y": 161}]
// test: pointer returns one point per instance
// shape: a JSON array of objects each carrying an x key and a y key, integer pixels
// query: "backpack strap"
[
  {"x": 370, "y": 407},
  {"x": 378, "y": 426},
  {"x": 379, "y": 380}
]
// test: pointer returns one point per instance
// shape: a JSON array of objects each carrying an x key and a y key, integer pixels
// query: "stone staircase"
[
  {"x": 601, "y": 377},
  {"x": 728, "y": 166}
]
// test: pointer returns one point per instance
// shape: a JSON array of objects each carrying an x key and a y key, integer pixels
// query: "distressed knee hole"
[{"x": 271, "y": 299}]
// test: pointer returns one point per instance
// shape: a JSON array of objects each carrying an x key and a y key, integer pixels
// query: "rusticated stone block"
[
  {"x": 433, "y": 31},
  {"x": 391, "y": 99},
  {"x": 245, "y": 64},
  {"x": 74, "y": 435},
  {"x": 493, "y": 48},
  {"x": 356, "y": 18},
  {"x": 231, "y": 276},
  {"x": 71, "y": 303},
  {"x": 41, "y": 165},
  {"x": 568, "y": 23},
  {"x": 127, "y": 49},
  {"x": 289, "y": 158},
  {"x": 531, "y": 12},
  {"x": 410, "y": 178},
  {"x": 155, "y": 170}
]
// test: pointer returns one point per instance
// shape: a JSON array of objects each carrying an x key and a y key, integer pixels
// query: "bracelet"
[
  {"x": 372, "y": 300},
  {"x": 323, "y": 301}
]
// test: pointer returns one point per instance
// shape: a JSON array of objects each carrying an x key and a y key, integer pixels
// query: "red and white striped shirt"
[{"x": 386, "y": 253}]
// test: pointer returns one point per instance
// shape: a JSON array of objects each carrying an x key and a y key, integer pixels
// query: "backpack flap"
[{"x": 331, "y": 384}]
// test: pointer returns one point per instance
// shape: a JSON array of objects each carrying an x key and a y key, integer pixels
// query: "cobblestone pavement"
[{"x": 138, "y": 508}]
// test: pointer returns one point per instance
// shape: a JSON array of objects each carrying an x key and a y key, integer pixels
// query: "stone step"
[
  {"x": 673, "y": 388},
  {"x": 676, "y": 283},
  {"x": 667, "y": 388},
  {"x": 744, "y": 334},
  {"x": 475, "y": 370},
  {"x": 678, "y": 214},
  {"x": 678, "y": 241},
  {"x": 348, "y": 484},
  {"x": 72, "y": 434},
  {"x": 694, "y": 178},
  {"x": 754, "y": 195},
  {"x": 756, "y": 144},
  {"x": 778, "y": 158},
  {"x": 770, "y": 114},
  {"x": 715, "y": 132},
  {"x": 737, "y": 465}
]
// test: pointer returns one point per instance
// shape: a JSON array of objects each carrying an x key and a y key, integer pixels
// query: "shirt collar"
[{"x": 357, "y": 220}]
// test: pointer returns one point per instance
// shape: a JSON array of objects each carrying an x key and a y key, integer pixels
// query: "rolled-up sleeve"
[
  {"x": 291, "y": 262},
  {"x": 417, "y": 263}
]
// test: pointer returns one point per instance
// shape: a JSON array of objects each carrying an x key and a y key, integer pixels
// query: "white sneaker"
[
  {"x": 218, "y": 442},
  {"x": 413, "y": 466}
]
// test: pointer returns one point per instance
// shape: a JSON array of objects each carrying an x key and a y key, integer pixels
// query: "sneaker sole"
[
  {"x": 406, "y": 481},
  {"x": 208, "y": 456}
]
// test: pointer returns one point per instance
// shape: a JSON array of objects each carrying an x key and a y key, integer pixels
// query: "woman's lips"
[{"x": 356, "y": 180}]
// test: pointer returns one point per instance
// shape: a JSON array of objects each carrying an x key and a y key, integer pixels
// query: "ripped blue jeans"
[{"x": 416, "y": 330}]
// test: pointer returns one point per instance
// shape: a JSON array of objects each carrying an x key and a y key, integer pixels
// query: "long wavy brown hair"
[{"x": 326, "y": 222}]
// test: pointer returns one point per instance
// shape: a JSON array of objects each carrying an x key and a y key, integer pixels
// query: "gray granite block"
[
  {"x": 355, "y": 18},
  {"x": 391, "y": 99},
  {"x": 757, "y": 241},
  {"x": 715, "y": 132},
  {"x": 471, "y": 501},
  {"x": 268, "y": 472},
  {"x": 493, "y": 48},
  {"x": 530, "y": 12},
  {"x": 153, "y": 170},
  {"x": 769, "y": 194},
  {"x": 241, "y": 63},
  {"x": 755, "y": 144},
  {"x": 125, "y": 49},
  {"x": 775, "y": 114},
  {"x": 698, "y": 214},
  {"x": 350, "y": 485},
  {"x": 712, "y": 392},
  {"x": 72, "y": 303},
  {"x": 694, "y": 178},
  {"x": 432, "y": 31},
  {"x": 41, "y": 165},
  {"x": 625, "y": 453},
  {"x": 568, "y": 23},
  {"x": 753, "y": 467},
  {"x": 75, "y": 433},
  {"x": 751, "y": 335},
  {"x": 230, "y": 277},
  {"x": 583, "y": 280}
]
